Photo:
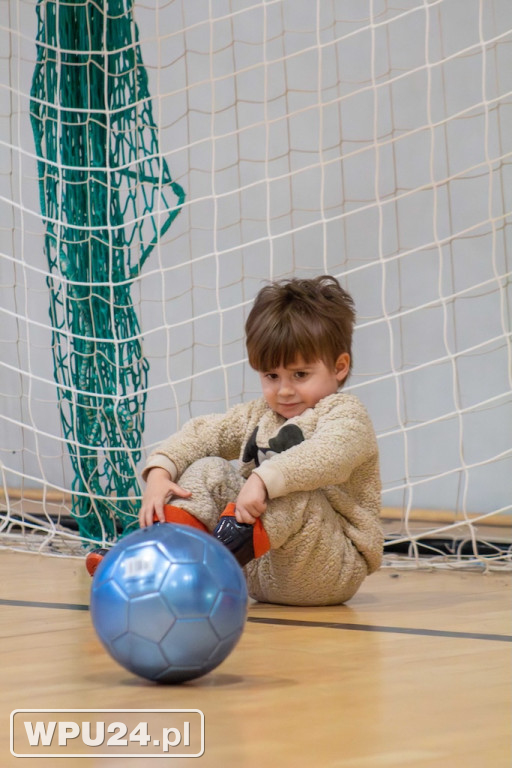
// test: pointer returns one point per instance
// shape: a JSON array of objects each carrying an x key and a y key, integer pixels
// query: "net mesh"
[{"x": 369, "y": 141}]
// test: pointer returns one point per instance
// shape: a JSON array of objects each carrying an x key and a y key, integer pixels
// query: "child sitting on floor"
[{"x": 301, "y": 512}]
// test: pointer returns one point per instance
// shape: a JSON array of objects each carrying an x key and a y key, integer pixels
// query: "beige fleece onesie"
[{"x": 321, "y": 471}]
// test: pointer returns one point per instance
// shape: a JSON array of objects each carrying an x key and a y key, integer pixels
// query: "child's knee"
[
  {"x": 207, "y": 464},
  {"x": 206, "y": 472},
  {"x": 213, "y": 476}
]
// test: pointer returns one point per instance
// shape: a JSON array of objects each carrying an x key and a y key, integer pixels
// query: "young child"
[{"x": 301, "y": 512}]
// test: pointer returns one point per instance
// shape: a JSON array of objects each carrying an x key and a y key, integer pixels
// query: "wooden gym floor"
[{"x": 415, "y": 671}]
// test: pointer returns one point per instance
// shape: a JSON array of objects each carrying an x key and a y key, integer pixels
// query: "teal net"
[{"x": 106, "y": 197}]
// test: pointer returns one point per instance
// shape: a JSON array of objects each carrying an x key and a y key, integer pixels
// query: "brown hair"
[{"x": 313, "y": 319}]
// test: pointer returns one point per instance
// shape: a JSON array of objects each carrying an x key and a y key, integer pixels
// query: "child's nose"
[{"x": 285, "y": 387}]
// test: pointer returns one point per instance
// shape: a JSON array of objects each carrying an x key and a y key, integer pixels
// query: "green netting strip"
[{"x": 106, "y": 197}]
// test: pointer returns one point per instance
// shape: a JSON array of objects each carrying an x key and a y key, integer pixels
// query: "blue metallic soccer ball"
[{"x": 169, "y": 602}]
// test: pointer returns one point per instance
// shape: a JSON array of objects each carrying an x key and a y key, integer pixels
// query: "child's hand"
[
  {"x": 159, "y": 489},
  {"x": 252, "y": 500}
]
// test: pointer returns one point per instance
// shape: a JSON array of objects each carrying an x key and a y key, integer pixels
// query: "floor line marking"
[{"x": 301, "y": 623}]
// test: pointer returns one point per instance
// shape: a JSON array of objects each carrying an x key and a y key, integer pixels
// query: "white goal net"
[{"x": 162, "y": 160}]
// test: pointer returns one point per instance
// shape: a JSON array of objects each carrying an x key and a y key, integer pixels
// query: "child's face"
[{"x": 290, "y": 390}]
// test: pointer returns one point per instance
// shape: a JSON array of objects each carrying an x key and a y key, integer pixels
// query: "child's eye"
[
  {"x": 271, "y": 376},
  {"x": 301, "y": 374}
]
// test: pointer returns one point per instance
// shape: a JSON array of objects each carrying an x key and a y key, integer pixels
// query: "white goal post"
[{"x": 371, "y": 141}]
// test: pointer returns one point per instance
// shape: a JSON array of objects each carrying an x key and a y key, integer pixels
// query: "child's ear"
[{"x": 342, "y": 366}]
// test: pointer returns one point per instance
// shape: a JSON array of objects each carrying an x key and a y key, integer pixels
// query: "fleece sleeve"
[
  {"x": 343, "y": 440},
  {"x": 214, "y": 435}
]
